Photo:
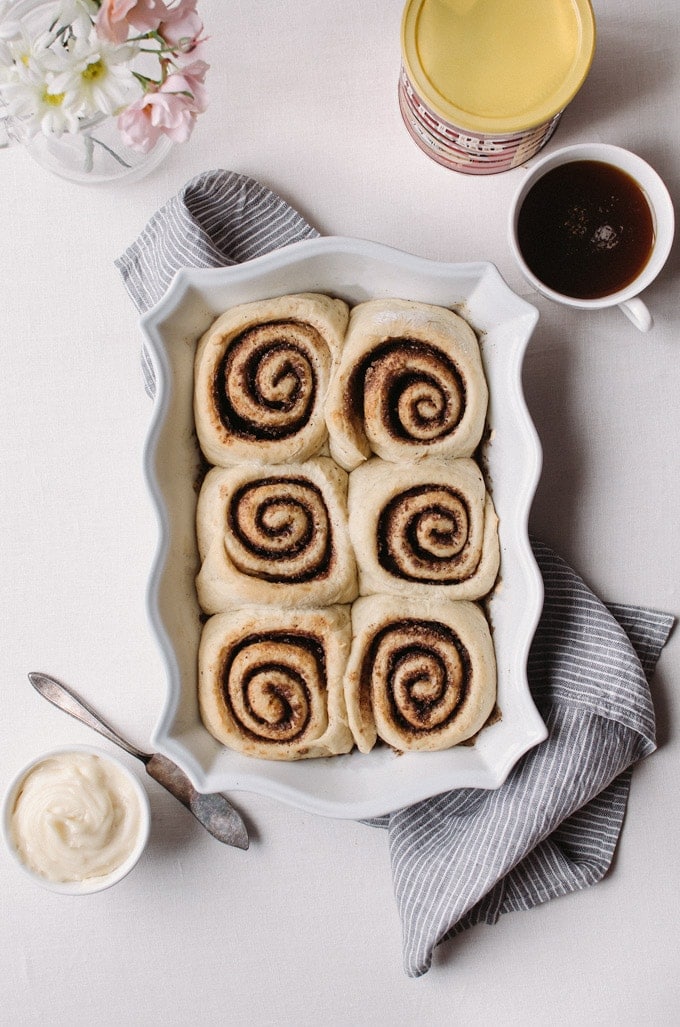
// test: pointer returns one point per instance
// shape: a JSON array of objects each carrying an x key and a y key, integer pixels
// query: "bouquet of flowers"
[{"x": 138, "y": 61}]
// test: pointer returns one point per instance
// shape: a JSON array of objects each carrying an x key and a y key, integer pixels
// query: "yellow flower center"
[
  {"x": 53, "y": 99},
  {"x": 94, "y": 71}
]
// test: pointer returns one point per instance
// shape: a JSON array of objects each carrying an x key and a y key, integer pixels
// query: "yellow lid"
[{"x": 497, "y": 66}]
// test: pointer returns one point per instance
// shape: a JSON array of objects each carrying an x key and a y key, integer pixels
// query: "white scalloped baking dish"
[{"x": 354, "y": 785}]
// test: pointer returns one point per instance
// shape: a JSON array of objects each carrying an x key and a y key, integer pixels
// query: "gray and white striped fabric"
[
  {"x": 467, "y": 856},
  {"x": 216, "y": 220}
]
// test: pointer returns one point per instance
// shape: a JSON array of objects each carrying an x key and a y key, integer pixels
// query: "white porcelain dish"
[{"x": 355, "y": 785}]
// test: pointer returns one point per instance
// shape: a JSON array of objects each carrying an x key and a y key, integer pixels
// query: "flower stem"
[{"x": 112, "y": 153}]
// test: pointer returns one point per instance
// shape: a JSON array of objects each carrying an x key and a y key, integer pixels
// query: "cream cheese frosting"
[{"x": 76, "y": 817}]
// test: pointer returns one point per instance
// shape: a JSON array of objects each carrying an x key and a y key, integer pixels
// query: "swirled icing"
[{"x": 76, "y": 816}]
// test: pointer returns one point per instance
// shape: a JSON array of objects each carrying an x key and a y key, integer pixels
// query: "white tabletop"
[{"x": 303, "y": 927}]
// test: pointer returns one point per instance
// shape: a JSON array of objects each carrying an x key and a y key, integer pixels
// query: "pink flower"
[
  {"x": 170, "y": 110},
  {"x": 190, "y": 80},
  {"x": 181, "y": 25},
  {"x": 116, "y": 17}
]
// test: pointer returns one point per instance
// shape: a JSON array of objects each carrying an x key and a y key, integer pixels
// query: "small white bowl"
[{"x": 92, "y": 884}]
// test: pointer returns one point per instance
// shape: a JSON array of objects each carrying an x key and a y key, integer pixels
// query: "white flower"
[
  {"x": 8, "y": 29},
  {"x": 8, "y": 26},
  {"x": 79, "y": 14},
  {"x": 35, "y": 105},
  {"x": 97, "y": 73}
]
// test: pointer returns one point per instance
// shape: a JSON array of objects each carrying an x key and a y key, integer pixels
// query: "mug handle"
[{"x": 637, "y": 312}]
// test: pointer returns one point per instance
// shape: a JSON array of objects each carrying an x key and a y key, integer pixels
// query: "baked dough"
[
  {"x": 410, "y": 383},
  {"x": 288, "y": 536},
  {"x": 272, "y": 686},
  {"x": 261, "y": 375},
  {"x": 274, "y": 535},
  {"x": 421, "y": 675},
  {"x": 427, "y": 529}
]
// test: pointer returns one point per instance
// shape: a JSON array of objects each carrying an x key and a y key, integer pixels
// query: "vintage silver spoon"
[{"x": 213, "y": 811}]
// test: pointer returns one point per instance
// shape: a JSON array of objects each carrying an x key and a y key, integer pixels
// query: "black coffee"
[{"x": 585, "y": 229}]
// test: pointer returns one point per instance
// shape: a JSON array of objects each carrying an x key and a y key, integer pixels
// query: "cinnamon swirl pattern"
[
  {"x": 418, "y": 677},
  {"x": 272, "y": 687},
  {"x": 274, "y": 535},
  {"x": 396, "y": 521},
  {"x": 426, "y": 529},
  {"x": 410, "y": 383},
  {"x": 261, "y": 375}
]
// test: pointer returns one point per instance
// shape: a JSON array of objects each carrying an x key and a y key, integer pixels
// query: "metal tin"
[{"x": 483, "y": 83}]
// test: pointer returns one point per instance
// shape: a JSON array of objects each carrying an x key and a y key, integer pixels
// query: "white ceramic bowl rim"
[
  {"x": 94, "y": 884},
  {"x": 657, "y": 195}
]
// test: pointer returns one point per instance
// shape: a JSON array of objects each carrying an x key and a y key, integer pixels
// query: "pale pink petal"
[
  {"x": 135, "y": 127},
  {"x": 146, "y": 15},
  {"x": 111, "y": 21},
  {"x": 181, "y": 22}
]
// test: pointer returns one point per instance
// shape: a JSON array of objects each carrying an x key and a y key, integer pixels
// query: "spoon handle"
[{"x": 62, "y": 697}]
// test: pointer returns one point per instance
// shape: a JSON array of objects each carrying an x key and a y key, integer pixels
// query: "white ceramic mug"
[{"x": 656, "y": 193}]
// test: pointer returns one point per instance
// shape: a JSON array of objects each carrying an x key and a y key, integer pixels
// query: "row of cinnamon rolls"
[
  {"x": 286, "y": 684},
  {"x": 344, "y": 530},
  {"x": 279, "y": 380}
]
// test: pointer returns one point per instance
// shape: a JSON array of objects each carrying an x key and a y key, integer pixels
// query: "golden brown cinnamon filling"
[
  {"x": 416, "y": 674},
  {"x": 423, "y": 535},
  {"x": 281, "y": 530},
  {"x": 274, "y": 685},
  {"x": 266, "y": 383}
]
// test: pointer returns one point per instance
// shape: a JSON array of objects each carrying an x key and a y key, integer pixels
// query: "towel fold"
[{"x": 469, "y": 855}]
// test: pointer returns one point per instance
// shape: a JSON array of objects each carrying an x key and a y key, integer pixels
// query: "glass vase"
[{"x": 94, "y": 154}]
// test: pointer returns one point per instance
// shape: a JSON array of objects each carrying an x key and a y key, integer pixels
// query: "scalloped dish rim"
[{"x": 354, "y": 785}]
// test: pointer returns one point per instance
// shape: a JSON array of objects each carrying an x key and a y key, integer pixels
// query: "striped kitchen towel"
[
  {"x": 218, "y": 219},
  {"x": 466, "y": 856}
]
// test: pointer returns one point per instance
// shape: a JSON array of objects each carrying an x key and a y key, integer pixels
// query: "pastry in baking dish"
[
  {"x": 420, "y": 676},
  {"x": 410, "y": 383},
  {"x": 261, "y": 375},
  {"x": 271, "y": 686},
  {"x": 274, "y": 535},
  {"x": 289, "y": 536},
  {"x": 426, "y": 529}
]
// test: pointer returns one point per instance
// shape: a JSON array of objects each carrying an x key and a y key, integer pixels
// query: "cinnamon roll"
[
  {"x": 261, "y": 375},
  {"x": 410, "y": 383},
  {"x": 420, "y": 676},
  {"x": 423, "y": 529},
  {"x": 274, "y": 535},
  {"x": 272, "y": 687}
]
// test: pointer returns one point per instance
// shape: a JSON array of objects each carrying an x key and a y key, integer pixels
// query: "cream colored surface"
[
  {"x": 317, "y": 353},
  {"x": 310, "y": 496},
  {"x": 452, "y": 567},
  {"x": 357, "y": 433},
  {"x": 293, "y": 708},
  {"x": 303, "y": 97},
  {"x": 76, "y": 817},
  {"x": 413, "y": 691}
]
